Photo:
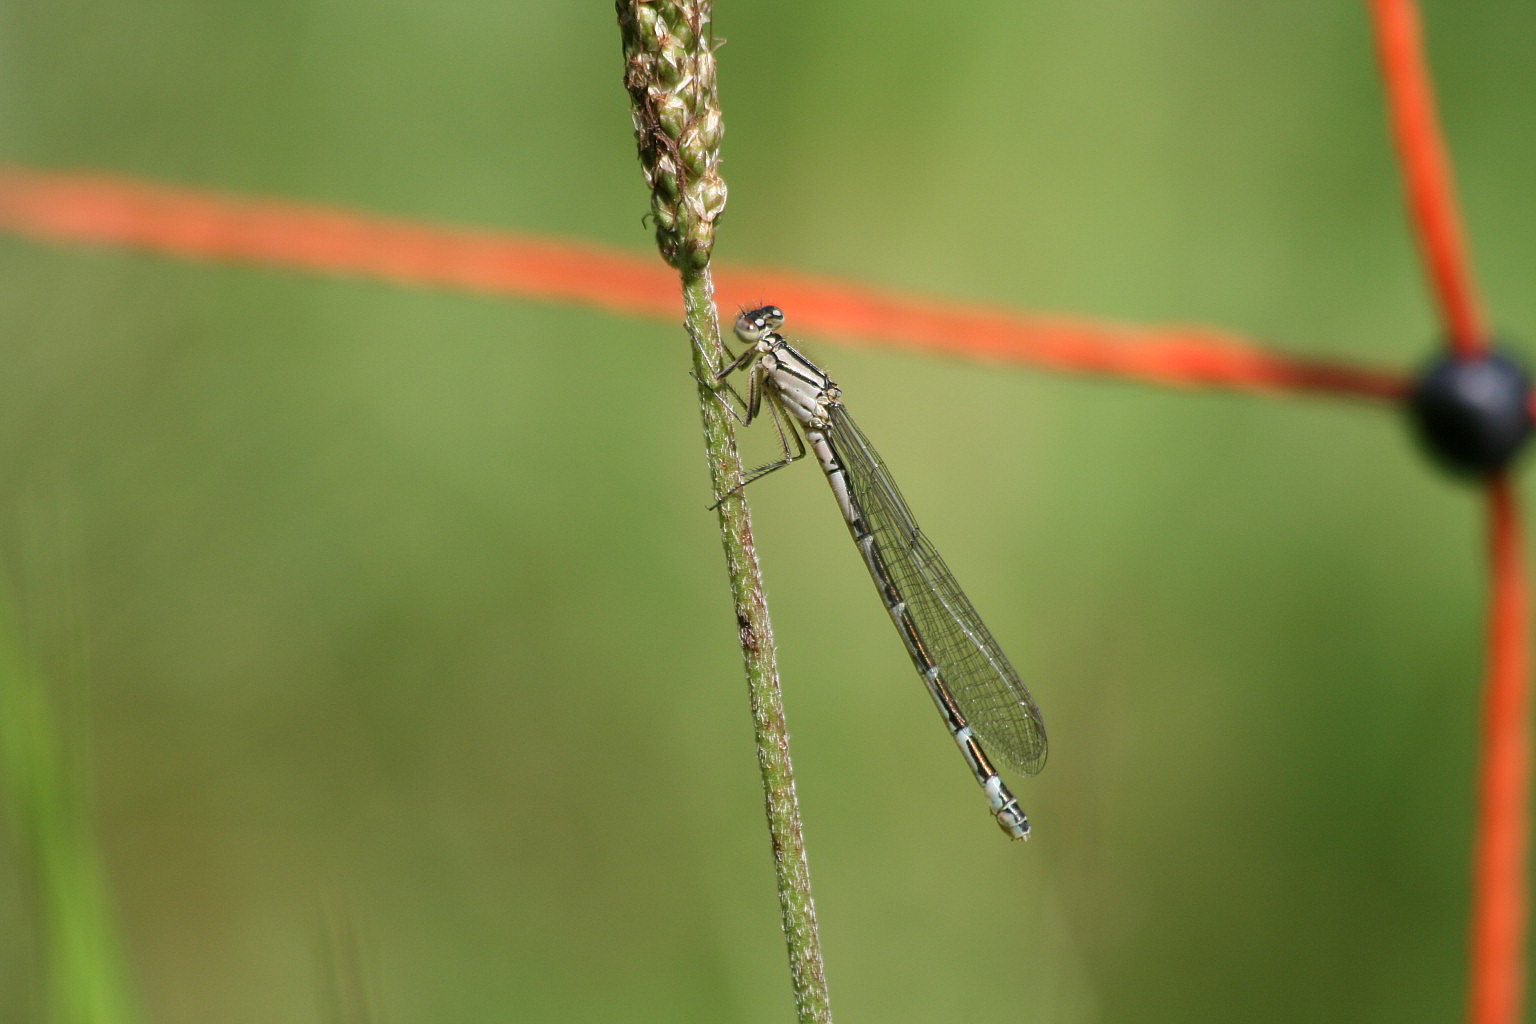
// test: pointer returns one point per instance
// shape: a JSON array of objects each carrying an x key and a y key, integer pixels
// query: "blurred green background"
[{"x": 389, "y": 629}]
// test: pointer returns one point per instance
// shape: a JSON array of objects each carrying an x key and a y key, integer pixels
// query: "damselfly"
[{"x": 976, "y": 689}]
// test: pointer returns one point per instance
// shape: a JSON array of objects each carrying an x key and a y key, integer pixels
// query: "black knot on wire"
[{"x": 1472, "y": 413}]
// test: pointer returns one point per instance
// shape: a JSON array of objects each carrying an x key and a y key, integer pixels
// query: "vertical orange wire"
[
  {"x": 1497, "y": 984},
  {"x": 1426, "y": 172},
  {"x": 1499, "y": 881}
]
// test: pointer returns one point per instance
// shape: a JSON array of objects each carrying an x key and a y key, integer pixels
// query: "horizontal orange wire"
[{"x": 106, "y": 209}]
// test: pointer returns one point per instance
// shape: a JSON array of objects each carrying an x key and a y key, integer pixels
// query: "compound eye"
[{"x": 749, "y": 325}]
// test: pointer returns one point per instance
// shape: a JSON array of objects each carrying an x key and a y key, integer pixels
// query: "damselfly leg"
[{"x": 758, "y": 397}]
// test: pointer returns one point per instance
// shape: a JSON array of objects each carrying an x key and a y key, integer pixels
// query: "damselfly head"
[{"x": 754, "y": 323}]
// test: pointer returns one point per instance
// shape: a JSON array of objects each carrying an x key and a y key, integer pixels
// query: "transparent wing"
[{"x": 984, "y": 684}]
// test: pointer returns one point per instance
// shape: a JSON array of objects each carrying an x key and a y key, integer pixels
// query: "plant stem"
[
  {"x": 670, "y": 74},
  {"x": 792, "y": 868}
]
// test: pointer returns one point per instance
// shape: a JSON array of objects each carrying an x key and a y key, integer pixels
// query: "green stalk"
[
  {"x": 670, "y": 75},
  {"x": 49, "y": 814}
]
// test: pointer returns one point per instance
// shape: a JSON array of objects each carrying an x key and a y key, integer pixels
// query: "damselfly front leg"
[
  {"x": 758, "y": 395},
  {"x": 718, "y": 386}
]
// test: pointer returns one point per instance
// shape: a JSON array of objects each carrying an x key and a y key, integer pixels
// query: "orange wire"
[
  {"x": 109, "y": 209},
  {"x": 1497, "y": 984},
  {"x": 1499, "y": 882},
  {"x": 1426, "y": 172},
  {"x": 1180, "y": 356},
  {"x": 105, "y": 209}
]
